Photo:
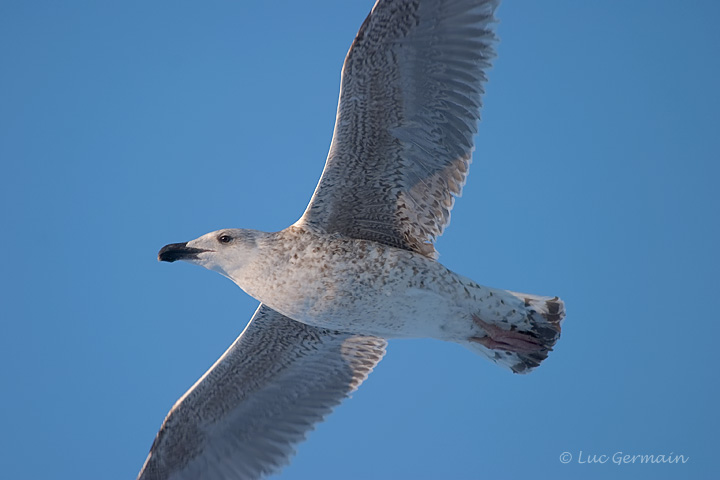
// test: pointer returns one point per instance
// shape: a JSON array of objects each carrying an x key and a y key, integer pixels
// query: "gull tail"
[{"x": 520, "y": 331}]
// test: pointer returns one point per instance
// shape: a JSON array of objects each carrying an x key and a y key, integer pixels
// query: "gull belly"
[{"x": 364, "y": 287}]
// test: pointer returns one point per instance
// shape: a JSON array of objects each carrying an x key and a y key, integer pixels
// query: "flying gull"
[{"x": 359, "y": 266}]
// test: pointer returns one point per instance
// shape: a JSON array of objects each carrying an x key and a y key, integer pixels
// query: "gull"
[{"x": 359, "y": 267}]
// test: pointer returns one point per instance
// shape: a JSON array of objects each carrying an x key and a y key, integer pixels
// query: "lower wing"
[{"x": 243, "y": 418}]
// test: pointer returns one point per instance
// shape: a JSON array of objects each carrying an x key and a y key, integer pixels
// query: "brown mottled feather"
[{"x": 409, "y": 108}]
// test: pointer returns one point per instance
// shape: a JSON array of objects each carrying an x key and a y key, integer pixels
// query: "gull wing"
[
  {"x": 409, "y": 108},
  {"x": 243, "y": 418}
]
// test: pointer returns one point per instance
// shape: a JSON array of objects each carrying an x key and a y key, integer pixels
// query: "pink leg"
[{"x": 512, "y": 341}]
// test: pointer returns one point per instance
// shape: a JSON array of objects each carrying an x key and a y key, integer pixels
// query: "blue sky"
[{"x": 125, "y": 126}]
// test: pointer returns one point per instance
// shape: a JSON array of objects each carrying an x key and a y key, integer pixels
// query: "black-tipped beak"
[{"x": 178, "y": 251}]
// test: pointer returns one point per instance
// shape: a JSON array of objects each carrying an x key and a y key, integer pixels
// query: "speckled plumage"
[
  {"x": 276, "y": 381},
  {"x": 365, "y": 287},
  {"x": 408, "y": 111},
  {"x": 359, "y": 266}
]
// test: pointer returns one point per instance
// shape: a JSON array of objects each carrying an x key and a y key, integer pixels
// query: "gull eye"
[{"x": 225, "y": 238}]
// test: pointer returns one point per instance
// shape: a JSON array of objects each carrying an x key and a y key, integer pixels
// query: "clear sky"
[{"x": 125, "y": 126}]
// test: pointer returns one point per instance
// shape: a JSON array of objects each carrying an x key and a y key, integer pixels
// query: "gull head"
[{"x": 225, "y": 251}]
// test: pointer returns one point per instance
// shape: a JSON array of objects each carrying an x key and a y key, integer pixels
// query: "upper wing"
[
  {"x": 244, "y": 416},
  {"x": 408, "y": 111}
]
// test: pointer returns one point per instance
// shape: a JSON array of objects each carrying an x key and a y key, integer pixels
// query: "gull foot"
[{"x": 508, "y": 340}]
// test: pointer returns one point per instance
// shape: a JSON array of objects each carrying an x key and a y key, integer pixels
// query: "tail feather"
[{"x": 521, "y": 342}]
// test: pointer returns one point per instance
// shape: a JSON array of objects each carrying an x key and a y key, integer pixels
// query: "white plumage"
[{"x": 359, "y": 266}]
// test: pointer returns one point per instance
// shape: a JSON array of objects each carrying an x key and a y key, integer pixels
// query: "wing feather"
[
  {"x": 409, "y": 106},
  {"x": 243, "y": 418}
]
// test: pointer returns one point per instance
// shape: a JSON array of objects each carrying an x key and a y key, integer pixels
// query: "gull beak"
[{"x": 179, "y": 251}]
